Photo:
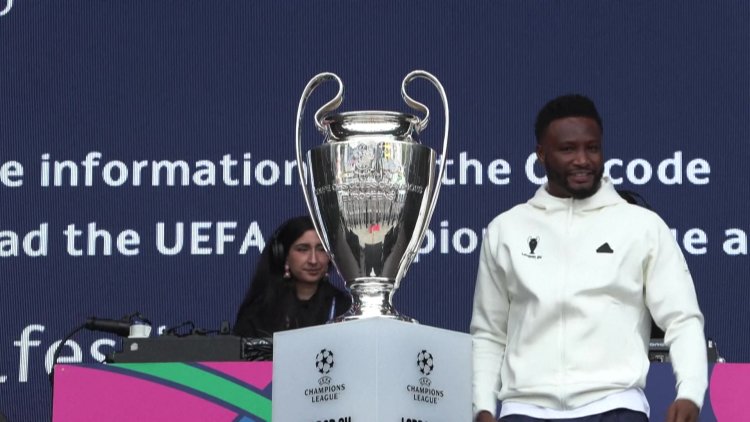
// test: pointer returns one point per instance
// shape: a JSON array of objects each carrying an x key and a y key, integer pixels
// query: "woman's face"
[{"x": 307, "y": 260}]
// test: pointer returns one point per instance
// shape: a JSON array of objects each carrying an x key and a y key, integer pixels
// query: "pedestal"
[{"x": 372, "y": 370}]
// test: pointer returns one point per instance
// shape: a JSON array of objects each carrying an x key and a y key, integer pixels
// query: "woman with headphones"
[{"x": 290, "y": 288}]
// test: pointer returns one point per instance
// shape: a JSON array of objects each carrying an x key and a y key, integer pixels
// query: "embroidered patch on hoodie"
[
  {"x": 533, "y": 243},
  {"x": 605, "y": 248}
]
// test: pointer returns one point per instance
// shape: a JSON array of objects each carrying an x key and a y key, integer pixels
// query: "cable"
[{"x": 56, "y": 355}]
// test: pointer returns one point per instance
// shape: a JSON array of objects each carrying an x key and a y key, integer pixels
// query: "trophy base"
[
  {"x": 372, "y": 298},
  {"x": 351, "y": 316}
]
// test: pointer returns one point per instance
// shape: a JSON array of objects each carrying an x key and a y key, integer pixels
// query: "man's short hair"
[{"x": 571, "y": 105}]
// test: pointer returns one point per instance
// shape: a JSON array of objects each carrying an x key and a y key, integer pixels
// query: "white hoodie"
[{"x": 562, "y": 300}]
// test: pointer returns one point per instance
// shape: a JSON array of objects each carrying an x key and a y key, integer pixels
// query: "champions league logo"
[
  {"x": 6, "y": 9},
  {"x": 424, "y": 362},
  {"x": 326, "y": 389},
  {"x": 324, "y": 361},
  {"x": 533, "y": 243},
  {"x": 424, "y": 392}
]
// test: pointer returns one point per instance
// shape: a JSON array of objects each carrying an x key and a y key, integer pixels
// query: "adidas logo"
[{"x": 605, "y": 248}]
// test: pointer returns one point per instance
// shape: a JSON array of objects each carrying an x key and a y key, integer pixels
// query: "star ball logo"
[
  {"x": 424, "y": 362},
  {"x": 324, "y": 361},
  {"x": 424, "y": 392},
  {"x": 326, "y": 390},
  {"x": 6, "y": 9}
]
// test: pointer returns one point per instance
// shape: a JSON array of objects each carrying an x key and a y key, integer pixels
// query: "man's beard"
[{"x": 580, "y": 193}]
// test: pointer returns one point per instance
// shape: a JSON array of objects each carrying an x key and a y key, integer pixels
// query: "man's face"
[{"x": 571, "y": 151}]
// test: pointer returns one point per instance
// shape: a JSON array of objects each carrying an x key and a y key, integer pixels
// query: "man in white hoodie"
[{"x": 566, "y": 288}]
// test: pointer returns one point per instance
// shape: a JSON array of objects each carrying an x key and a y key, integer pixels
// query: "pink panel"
[
  {"x": 84, "y": 394},
  {"x": 730, "y": 391}
]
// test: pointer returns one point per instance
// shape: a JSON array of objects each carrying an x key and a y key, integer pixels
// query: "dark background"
[{"x": 188, "y": 80}]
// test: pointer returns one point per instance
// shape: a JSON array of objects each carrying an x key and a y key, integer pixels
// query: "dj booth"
[{"x": 240, "y": 391}]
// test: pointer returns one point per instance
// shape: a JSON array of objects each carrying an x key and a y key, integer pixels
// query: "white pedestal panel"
[{"x": 372, "y": 370}]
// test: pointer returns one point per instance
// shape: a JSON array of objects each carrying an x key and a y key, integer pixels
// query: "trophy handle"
[
  {"x": 416, "y": 105},
  {"x": 316, "y": 81}
]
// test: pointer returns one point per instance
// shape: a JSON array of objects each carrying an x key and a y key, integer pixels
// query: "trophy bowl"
[{"x": 370, "y": 189}]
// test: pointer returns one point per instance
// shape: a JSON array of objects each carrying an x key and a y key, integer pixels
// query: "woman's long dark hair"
[{"x": 270, "y": 299}]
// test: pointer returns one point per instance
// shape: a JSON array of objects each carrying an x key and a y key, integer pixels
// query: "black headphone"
[{"x": 278, "y": 255}]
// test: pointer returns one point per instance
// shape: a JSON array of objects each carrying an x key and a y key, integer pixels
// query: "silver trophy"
[{"x": 371, "y": 192}]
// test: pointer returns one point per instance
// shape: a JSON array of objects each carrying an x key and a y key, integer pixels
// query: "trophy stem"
[{"x": 372, "y": 298}]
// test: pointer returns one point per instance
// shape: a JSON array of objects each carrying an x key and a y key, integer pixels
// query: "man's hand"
[
  {"x": 681, "y": 411},
  {"x": 485, "y": 416}
]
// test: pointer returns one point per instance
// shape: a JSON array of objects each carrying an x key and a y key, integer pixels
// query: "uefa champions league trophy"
[{"x": 371, "y": 190}]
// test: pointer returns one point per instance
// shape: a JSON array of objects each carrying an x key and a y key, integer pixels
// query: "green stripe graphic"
[{"x": 207, "y": 383}]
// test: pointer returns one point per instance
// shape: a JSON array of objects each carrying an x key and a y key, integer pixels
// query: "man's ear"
[{"x": 540, "y": 153}]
